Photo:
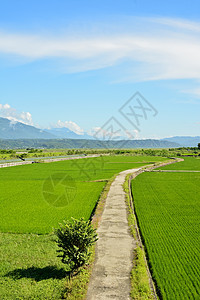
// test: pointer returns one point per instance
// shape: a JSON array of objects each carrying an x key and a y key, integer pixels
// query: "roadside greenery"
[
  {"x": 75, "y": 238},
  {"x": 140, "y": 285}
]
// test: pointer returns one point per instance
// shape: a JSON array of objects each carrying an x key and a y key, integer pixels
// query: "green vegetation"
[
  {"x": 167, "y": 209},
  {"x": 139, "y": 277},
  {"x": 40, "y": 154},
  {"x": 140, "y": 287},
  {"x": 25, "y": 210},
  {"x": 30, "y": 204},
  {"x": 75, "y": 239},
  {"x": 3, "y": 151},
  {"x": 189, "y": 163},
  {"x": 29, "y": 268},
  {"x": 30, "y": 153}
]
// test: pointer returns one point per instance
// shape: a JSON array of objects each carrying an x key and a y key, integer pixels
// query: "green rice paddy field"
[
  {"x": 168, "y": 208},
  {"x": 189, "y": 163},
  {"x": 33, "y": 199}
]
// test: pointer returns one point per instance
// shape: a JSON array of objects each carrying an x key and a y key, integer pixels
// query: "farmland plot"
[
  {"x": 168, "y": 207},
  {"x": 189, "y": 163}
]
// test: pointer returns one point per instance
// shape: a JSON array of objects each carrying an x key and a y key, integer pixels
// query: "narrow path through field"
[{"x": 111, "y": 273}]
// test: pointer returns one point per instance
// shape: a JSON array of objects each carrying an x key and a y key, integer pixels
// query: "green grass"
[
  {"x": 29, "y": 267},
  {"x": 168, "y": 207},
  {"x": 30, "y": 204},
  {"x": 139, "y": 277},
  {"x": 189, "y": 163},
  {"x": 140, "y": 287},
  {"x": 30, "y": 213}
]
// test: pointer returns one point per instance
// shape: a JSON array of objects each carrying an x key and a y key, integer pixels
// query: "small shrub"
[{"x": 75, "y": 238}]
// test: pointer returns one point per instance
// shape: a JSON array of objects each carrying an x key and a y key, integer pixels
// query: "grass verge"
[
  {"x": 140, "y": 284},
  {"x": 76, "y": 288}
]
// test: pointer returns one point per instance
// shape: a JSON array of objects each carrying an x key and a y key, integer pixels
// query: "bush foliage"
[{"x": 75, "y": 238}]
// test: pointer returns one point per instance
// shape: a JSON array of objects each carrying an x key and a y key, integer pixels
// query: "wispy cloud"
[
  {"x": 178, "y": 23},
  {"x": 195, "y": 92},
  {"x": 170, "y": 49}
]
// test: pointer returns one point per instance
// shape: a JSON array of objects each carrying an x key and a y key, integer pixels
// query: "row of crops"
[{"x": 167, "y": 206}]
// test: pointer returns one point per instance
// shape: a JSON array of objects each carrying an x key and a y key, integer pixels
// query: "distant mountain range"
[
  {"x": 83, "y": 144},
  {"x": 185, "y": 141},
  {"x": 16, "y": 135},
  {"x": 17, "y": 130},
  {"x": 65, "y": 133}
]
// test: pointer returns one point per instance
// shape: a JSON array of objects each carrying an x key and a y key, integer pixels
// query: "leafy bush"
[{"x": 75, "y": 238}]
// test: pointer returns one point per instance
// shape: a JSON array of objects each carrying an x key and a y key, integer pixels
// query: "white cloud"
[
  {"x": 155, "y": 48},
  {"x": 6, "y": 111},
  {"x": 136, "y": 134},
  {"x": 4, "y": 106},
  {"x": 70, "y": 125},
  {"x": 178, "y": 23},
  {"x": 194, "y": 91}
]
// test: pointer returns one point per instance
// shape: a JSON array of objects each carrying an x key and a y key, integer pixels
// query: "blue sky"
[{"x": 75, "y": 64}]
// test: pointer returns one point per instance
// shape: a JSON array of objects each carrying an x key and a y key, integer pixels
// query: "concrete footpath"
[{"x": 114, "y": 250}]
